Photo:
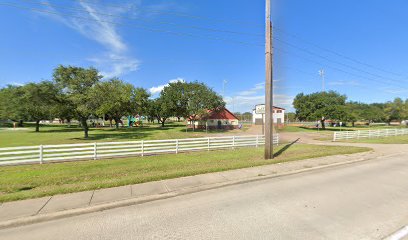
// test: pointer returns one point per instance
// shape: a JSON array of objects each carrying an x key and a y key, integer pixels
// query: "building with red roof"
[{"x": 222, "y": 119}]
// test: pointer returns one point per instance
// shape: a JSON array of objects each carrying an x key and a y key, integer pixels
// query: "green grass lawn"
[
  {"x": 333, "y": 129},
  {"x": 61, "y": 134},
  {"x": 384, "y": 140},
  {"x": 31, "y": 181}
]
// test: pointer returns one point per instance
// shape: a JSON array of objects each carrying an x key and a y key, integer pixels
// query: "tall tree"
[
  {"x": 175, "y": 97},
  {"x": 201, "y": 100},
  {"x": 142, "y": 101},
  {"x": 75, "y": 84},
  {"x": 159, "y": 110},
  {"x": 394, "y": 110},
  {"x": 10, "y": 107},
  {"x": 38, "y": 101},
  {"x": 115, "y": 98},
  {"x": 321, "y": 105}
]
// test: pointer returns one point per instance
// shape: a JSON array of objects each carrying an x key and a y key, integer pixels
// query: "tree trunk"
[
  {"x": 20, "y": 123},
  {"x": 85, "y": 127},
  {"x": 178, "y": 119},
  {"x": 116, "y": 123},
  {"x": 37, "y": 126},
  {"x": 353, "y": 123},
  {"x": 323, "y": 125},
  {"x": 163, "y": 121}
]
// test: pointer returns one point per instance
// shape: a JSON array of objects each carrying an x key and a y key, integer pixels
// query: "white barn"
[{"x": 278, "y": 116}]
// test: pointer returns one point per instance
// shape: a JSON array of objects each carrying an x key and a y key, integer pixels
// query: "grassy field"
[
  {"x": 61, "y": 134},
  {"x": 31, "y": 181},
  {"x": 384, "y": 140},
  {"x": 332, "y": 129}
]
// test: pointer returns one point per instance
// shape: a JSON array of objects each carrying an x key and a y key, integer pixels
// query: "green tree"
[
  {"x": 247, "y": 116},
  {"x": 10, "y": 107},
  {"x": 321, "y": 105},
  {"x": 201, "y": 100},
  {"x": 76, "y": 83},
  {"x": 394, "y": 110},
  {"x": 291, "y": 117},
  {"x": 38, "y": 101},
  {"x": 175, "y": 98},
  {"x": 114, "y": 98},
  {"x": 158, "y": 109},
  {"x": 142, "y": 101}
]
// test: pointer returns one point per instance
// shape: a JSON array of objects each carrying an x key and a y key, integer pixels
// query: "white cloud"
[
  {"x": 394, "y": 90},
  {"x": 245, "y": 101},
  {"x": 344, "y": 83},
  {"x": 17, "y": 84},
  {"x": 158, "y": 89},
  {"x": 115, "y": 61}
]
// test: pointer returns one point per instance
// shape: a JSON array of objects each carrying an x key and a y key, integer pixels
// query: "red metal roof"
[{"x": 222, "y": 114}]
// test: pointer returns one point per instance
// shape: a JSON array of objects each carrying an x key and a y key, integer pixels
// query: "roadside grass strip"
[{"x": 33, "y": 181}]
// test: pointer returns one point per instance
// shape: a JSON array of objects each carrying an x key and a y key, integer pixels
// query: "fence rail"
[
  {"x": 368, "y": 134},
  {"x": 88, "y": 151}
]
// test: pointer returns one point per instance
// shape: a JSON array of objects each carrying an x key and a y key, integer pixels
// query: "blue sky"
[{"x": 361, "y": 45}]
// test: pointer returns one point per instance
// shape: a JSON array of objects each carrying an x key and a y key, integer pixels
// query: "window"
[{"x": 279, "y": 111}]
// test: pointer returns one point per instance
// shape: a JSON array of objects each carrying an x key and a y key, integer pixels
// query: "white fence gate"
[
  {"x": 368, "y": 134},
  {"x": 86, "y": 151}
]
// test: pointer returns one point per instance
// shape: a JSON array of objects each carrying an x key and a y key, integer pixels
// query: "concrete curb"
[
  {"x": 134, "y": 201},
  {"x": 398, "y": 235}
]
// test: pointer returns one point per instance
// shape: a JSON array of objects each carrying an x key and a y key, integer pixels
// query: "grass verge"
[
  {"x": 385, "y": 140},
  {"x": 62, "y": 134},
  {"x": 32, "y": 181}
]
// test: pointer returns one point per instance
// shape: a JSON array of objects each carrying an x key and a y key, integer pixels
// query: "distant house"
[
  {"x": 278, "y": 116},
  {"x": 223, "y": 119}
]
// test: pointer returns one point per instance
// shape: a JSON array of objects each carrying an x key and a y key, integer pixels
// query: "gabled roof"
[{"x": 222, "y": 114}]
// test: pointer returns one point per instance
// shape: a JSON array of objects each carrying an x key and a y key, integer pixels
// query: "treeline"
[
  {"x": 80, "y": 93},
  {"x": 333, "y": 106}
]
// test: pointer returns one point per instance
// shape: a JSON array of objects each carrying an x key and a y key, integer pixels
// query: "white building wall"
[{"x": 276, "y": 117}]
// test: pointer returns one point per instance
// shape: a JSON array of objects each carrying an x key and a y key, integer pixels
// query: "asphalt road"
[{"x": 362, "y": 201}]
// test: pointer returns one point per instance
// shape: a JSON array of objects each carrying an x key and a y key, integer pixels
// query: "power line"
[
  {"x": 333, "y": 61},
  {"x": 244, "y": 33},
  {"x": 336, "y": 53},
  {"x": 76, "y": 10},
  {"x": 189, "y": 35},
  {"x": 276, "y": 28},
  {"x": 192, "y": 16},
  {"x": 338, "y": 69},
  {"x": 134, "y": 25}
]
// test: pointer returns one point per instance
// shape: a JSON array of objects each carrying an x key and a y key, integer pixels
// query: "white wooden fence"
[
  {"x": 86, "y": 151},
  {"x": 368, "y": 134}
]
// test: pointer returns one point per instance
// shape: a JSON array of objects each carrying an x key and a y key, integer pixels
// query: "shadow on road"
[{"x": 286, "y": 147}]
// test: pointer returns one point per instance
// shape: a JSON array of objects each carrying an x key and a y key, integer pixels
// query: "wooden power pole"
[{"x": 268, "y": 86}]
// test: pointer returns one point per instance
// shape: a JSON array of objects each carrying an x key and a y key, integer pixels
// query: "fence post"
[
  {"x": 257, "y": 141},
  {"x": 41, "y": 154},
  {"x": 233, "y": 142},
  {"x": 95, "y": 151},
  {"x": 177, "y": 146},
  {"x": 334, "y": 136},
  {"x": 142, "y": 148},
  {"x": 208, "y": 144}
]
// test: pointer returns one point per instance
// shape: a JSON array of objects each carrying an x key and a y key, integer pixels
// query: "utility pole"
[
  {"x": 322, "y": 75},
  {"x": 268, "y": 85},
  {"x": 223, "y": 87}
]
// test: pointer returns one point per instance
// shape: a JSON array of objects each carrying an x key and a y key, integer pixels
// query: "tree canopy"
[
  {"x": 75, "y": 84},
  {"x": 320, "y": 106}
]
